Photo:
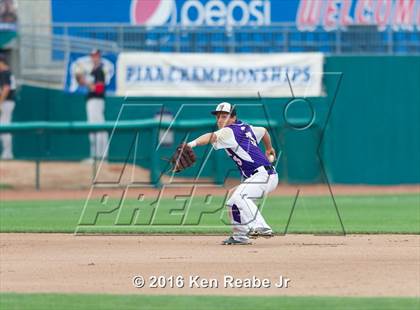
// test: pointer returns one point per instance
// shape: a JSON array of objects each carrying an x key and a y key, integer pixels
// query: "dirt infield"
[{"x": 355, "y": 265}]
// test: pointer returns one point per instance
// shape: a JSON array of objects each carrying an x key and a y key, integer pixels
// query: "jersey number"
[
  {"x": 251, "y": 138},
  {"x": 237, "y": 160}
]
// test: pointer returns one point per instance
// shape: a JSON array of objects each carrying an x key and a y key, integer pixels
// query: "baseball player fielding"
[{"x": 240, "y": 141}]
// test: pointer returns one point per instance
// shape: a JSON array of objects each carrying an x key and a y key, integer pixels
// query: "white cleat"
[{"x": 260, "y": 232}]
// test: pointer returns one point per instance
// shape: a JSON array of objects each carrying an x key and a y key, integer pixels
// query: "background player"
[
  {"x": 95, "y": 106},
  {"x": 7, "y": 105},
  {"x": 240, "y": 141}
]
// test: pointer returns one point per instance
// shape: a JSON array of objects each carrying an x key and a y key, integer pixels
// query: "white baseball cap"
[
  {"x": 224, "y": 107},
  {"x": 95, "y": 51}
]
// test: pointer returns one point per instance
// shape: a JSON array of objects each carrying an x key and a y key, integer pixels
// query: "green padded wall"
[
  {"x": 372, "y": 135},
  {"x": 374, "y": 132}
]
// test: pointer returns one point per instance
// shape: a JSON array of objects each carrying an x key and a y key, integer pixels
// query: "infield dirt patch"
[{"x": 354, "y": 265}]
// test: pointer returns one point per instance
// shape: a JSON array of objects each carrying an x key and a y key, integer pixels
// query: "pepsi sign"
[{"x": 199, "y": 13}]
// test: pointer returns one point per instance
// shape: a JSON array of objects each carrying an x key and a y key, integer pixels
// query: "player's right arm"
[
  {"x": 269, "y": 150},
  {"x": 261, "y": 133}
]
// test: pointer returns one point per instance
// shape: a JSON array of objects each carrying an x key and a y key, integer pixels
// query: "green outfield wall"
[
  {"x": 371, "y": 136},
  {"x": 374, "y": 132}
]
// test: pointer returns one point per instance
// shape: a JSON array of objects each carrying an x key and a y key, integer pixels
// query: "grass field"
[
  {"x": 359, "y": 214},
  {"x": 127, "y": 302}
]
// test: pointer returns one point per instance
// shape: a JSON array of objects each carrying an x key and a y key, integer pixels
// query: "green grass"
[
  {"x": 360, "y": 214},
  {"x": 12, "y": 301}
]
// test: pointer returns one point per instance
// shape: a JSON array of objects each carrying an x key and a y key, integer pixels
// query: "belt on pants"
[{"x": 270, "y": 170}]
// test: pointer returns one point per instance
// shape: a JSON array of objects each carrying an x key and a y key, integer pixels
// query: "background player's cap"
[
  {"x": 224, "y": 107},
  {"x": 95, "y": 51}
]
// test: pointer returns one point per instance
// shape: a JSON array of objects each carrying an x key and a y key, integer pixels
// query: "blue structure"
[{"x": 336, "y": 27}]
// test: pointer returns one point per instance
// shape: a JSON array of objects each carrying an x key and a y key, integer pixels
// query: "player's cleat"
[
  {"x": 88, "y": 161},
  {"x": 260, "y": 232},
  {"x": 232, "y": 241},
  {"x": 6, "y": 156}
]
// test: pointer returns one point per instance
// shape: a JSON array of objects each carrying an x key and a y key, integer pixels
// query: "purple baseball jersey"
[{"x": 240, "y": 141}]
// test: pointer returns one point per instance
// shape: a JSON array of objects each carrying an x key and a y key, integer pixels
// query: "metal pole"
[
  {"x": 338, "y": 41},
  {"x": 285, "y": 40},
  {"x": 154, "y": 159},
  {"x": 37, "y": 175},
  {"x": 177, "y": 39},
  {"x": 94, "y": 157},
  {"x": 390, "y": 41},
  {"x": 37, "y": 161},
  {"x": 93, "y": 170},
  {"x": 120, "y": 34}
]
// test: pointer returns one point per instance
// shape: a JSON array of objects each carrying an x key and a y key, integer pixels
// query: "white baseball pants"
[
  {"x": 243, "y": 211},
  {"x": 6, "y": 111},
  {"x": 98, "y": 141}
]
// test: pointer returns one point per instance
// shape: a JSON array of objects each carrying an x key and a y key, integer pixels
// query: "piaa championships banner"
[{"x": 219, "y": 75}]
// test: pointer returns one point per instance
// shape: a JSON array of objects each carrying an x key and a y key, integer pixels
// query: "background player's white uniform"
[
  {"x": 6, "y": 111},
  {"x": 241, "y": 143}
]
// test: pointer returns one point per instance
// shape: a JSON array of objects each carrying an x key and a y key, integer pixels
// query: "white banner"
[{"x": 219, "y": 75}]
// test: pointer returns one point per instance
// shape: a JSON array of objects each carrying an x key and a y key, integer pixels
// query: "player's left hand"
[{"x": 183, "y": 158}]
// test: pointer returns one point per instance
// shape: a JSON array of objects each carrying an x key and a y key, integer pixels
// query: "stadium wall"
[
  {"x": 374, "y": 132},
  {"x": 369, "y": 125}
]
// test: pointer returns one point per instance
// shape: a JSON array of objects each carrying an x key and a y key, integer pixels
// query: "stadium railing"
[
  {"x": 277, "y": 37},
  {"x": 153, "y": 125}
]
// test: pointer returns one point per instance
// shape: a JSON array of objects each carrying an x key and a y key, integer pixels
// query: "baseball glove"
[{"x": 183, "y": 158}]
